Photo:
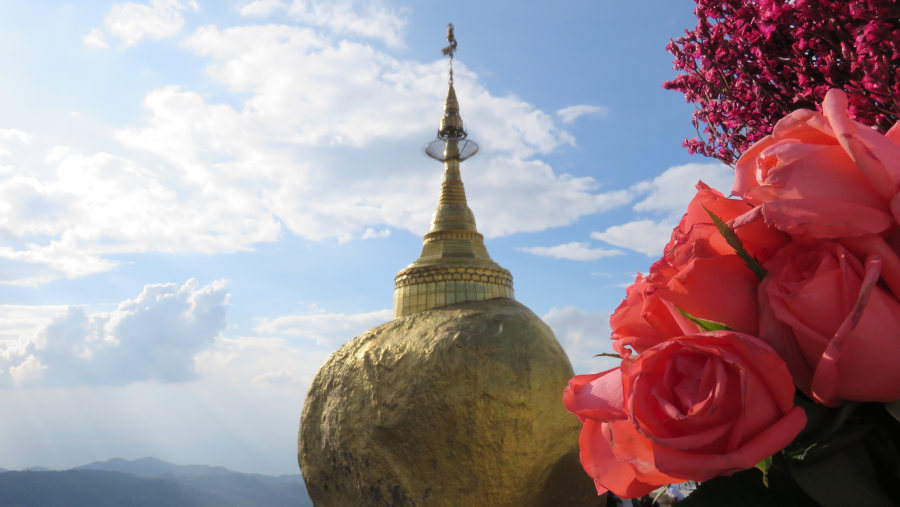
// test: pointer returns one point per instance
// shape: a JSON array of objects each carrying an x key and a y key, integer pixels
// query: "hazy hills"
[{"x": 148, "y": 482}]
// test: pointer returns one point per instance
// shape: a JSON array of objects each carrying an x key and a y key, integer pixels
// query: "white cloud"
[
  {"x": 573, "y": 251},
  {"x": 275, "y": 377},
  {"x": 223, "y": 418},
  {"x": 366, "y": 18},
  {"x": 154, "y": 336},
  {"x": 671, "y": 191},
  {"x": 583, "y": 335},
  {"x": 131, "y": 22},
  {"x": 262, "y": 361},
  {"x": 371, "y": 233},
  {"x": 262, "y": 8},
  {"x": 326, "y": 329},
  {"x": 28, "y": 370},
  {"x": 665, "y": 197},
  {"x": 19, "y": 320},
  {"x": 95, "y": 39},
  {"x": 16, "y": 134},
  {"x": 648, "y": 237},
  {"x": 312, "y": 94},
  {"x": 572, "y": 113},
  {"x": 509, "y": 195},
  {"x": 71, "y": 209},
  {"x": 325, "y": 144}
]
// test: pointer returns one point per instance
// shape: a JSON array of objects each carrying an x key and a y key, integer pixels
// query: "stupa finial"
[
  {"x": 450, "y": 49},
  {"x": 450, "y": 143},
  {"x": 451, "y": 124},
  {"x": 454, "y": 265}
]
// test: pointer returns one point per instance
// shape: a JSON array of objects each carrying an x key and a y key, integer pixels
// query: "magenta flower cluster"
[{"x": 750, "y": 62}]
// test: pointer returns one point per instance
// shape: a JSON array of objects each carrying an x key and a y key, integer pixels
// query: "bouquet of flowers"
[{"x": 767, "y": 336}]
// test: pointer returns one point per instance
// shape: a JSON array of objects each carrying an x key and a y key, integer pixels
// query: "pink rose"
[
  {"x": 821, "y": 175},
  {"x": 690, "y": 408},
  {"x": 613, "y": 453},
  {"x": 701, "y": 273},
  {"x": 837, "y": 330},
  {"x": 757, "y": 239},
  {"x": 643, "y": 319},
  {"x": 698, "y": 273},
  {"x": 719, "y": 288}
]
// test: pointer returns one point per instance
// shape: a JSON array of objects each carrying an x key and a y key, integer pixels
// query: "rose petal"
[
  {"x": 598, "y": 396},
  {"x": 746, "y": 170},
  {"x": 701, "y": 467},
  {"x": 875, "y": 156},
  {"x": 721, "y": 289},
  {"x": 805, "y": 125},
  {"x": 820, "y": 218},
  {"x": 825, "y": 378},
  {"x": 864, "y": 246},
  {"x": 597, "y": 441},
  {"x": 894, "y": 133},
  {"x": 815, "y": 171}
]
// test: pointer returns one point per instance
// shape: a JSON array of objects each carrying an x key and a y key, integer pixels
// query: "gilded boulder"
[{"x": 454, "y": 406}]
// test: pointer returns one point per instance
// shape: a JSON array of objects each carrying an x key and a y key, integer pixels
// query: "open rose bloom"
[{"x": 795, "y": 287}]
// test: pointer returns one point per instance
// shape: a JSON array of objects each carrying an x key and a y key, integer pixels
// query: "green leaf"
[
  {"x": 845, "y": 478},
  {"x": 734, "y": 241},
  {"x": 607, "y": 354},
  {"x": 743, "y": 489},
  {"x": 764, "y": 467},
  {"x": 703, "y": 324}
]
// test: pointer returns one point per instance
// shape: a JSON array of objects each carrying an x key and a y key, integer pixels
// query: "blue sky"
[{"x": 200, "y": 201}]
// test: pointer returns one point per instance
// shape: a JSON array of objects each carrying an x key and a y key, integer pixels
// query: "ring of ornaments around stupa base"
[{"x": 457, "y": 401}]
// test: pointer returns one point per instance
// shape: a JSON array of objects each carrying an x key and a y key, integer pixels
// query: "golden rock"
[
  {"x": 454, "y": 406},
  {"x": 456, "y": 402}
]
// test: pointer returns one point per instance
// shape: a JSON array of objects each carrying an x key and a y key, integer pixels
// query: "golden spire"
[{"x": 454, "y": 265}]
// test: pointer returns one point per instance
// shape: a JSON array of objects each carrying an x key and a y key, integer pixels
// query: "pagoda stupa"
[
  {"x": 454, "y": 265},
  {"x": 455, "y": 402}
]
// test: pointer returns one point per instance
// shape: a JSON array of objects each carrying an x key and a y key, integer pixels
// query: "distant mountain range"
[{"x": 148, "y": 482}]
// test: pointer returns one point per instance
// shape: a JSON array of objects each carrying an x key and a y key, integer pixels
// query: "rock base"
[{"x": 455, "y": 406}]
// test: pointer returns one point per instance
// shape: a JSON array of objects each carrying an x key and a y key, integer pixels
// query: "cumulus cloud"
[
  {"x": 19, "y": 320},
  {"x": 154, "y": 336},
  {"x": 365, "y": 18},
  {"x": 262, "y": 8},
  {"x": 512, "y": 195},
  {"x": 371, "y": 233},
  {"x": 327, "y": 329},
  {"x": 262, "y": 362},
  {"x": 95, "y": 39},
  {"x": 131, "y": 22},
  {"x": 664, "y": 199},
  {"x": 275, "y": 377},
  {"x": 16, "y": 134},
  {"x": 71, "y": 209},
  {"x": 583, "y": 335},
  {"x": 572, "y": 113},
  {"x": 320, "y": 98},
  {"x": 648, "y": 237},
  {"x": 321, "y": 140},
  {"x": 671, "y": 191},
  {"x": 10, "y": 136},
  {"x": 573, "y": 251}
]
